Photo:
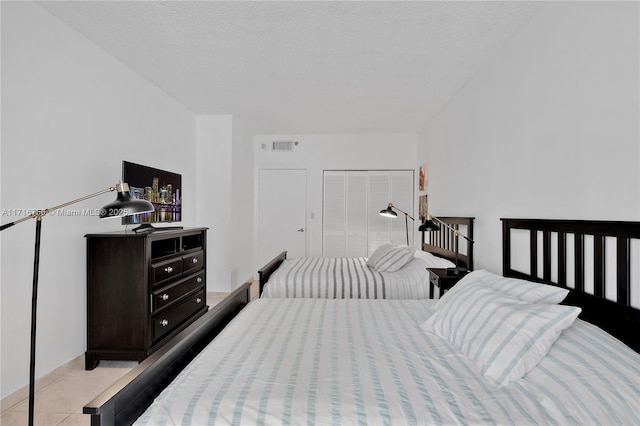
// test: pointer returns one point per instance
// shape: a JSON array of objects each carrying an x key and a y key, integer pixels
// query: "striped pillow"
[
  {"x": 526, "y": 291},
  {"x": 394, "y": 259},
  {"x": 504, "y": 337},
  {"x": 379, "y": 252}
]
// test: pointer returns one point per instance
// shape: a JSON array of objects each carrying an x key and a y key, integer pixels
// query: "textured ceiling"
[{"x": 305, "y": 66}]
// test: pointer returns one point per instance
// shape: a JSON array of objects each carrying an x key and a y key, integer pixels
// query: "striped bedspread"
[
  {"x": 341, "y": 278},
  {"x": 367, "y": 362}
]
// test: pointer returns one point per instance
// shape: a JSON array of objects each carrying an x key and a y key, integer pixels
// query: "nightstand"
[{"x": 438, "y": 277}]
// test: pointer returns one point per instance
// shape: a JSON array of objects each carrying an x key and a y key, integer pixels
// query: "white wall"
[
  {"x": 70, "y": 115},
  {"x": 316, "y": 153},
  {"x": 548, "y": 129},
  {"x": 242, "y": 199},
  {"x": 214, "y": 139},
  {"x": 225, "y": 199}
]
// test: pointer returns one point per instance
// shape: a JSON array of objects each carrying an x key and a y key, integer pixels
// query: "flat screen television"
[{"x": 161, "y": 188}]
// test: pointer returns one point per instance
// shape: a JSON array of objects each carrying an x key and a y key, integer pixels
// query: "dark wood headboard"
[
  {"x": 557, "y": 258},
  {"x": 442, "y": 243}
]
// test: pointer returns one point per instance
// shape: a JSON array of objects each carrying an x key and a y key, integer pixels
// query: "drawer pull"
[
  {"x": 199, "y": 280},
  {"x": 168, "y": 269},
  {"x": 194, "y": 260},
  {"x": 198, "y": 300},
  {"x": 164, "y": 322},
  {"x": 165, "y": 296}
]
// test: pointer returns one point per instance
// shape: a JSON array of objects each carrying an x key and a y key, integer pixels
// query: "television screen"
[{"x": 162, "y": 188}]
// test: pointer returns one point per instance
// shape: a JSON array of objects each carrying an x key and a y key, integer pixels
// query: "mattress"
[
  {"x": 366, "y": 361},
  {"x": 340, "y": 278}
]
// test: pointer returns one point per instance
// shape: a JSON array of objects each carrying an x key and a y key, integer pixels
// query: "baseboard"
[{"x": 51, "y": 377}]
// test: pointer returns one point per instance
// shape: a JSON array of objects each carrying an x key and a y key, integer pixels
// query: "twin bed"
[
  {"x": 391, "y": 272},
  {"x": 470, "y": 357}
]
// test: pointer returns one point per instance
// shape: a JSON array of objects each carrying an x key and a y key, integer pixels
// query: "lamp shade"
[
  {"x": 125, "y": 204},
  {"x": 429, "y": 225},
  {"x": 388, "y": 212}
]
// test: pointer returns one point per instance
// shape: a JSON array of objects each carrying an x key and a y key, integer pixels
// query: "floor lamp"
[
  {"x": 389, "y": 212},
  {"x": 432, "y": 223},
  {"x": 124, "y": 205}
]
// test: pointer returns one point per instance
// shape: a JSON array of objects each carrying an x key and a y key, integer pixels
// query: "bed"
[
  {"x": 392, "y": 272},
  {"x": 371, "y": 361}
]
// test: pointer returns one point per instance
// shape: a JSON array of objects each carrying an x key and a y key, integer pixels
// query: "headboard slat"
[
  {"x": 579, "y": 261},
  {"x": 599, "y": 260},
  {"x": 546, "y": 255},
  {"x": 562, "y": 259},
  {"x": 623, "y": 270},
  {"x": 533, "y": 252}
]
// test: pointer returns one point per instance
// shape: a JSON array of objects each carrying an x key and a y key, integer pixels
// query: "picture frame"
[
  {"x": 422, "y": 208},
  {"x": 422, "y": 177}
]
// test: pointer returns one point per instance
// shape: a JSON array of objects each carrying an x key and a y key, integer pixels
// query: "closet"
[{"x": 352, "y": 200}]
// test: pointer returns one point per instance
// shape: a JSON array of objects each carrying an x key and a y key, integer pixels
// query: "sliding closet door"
[
  {"x": 352, "y": 226},
  {"x": 356, "y": 220},
  {"x": 401, "y": 193},
  {"x": 379, "y": 198},
  {"x": 334, "y": 215}
]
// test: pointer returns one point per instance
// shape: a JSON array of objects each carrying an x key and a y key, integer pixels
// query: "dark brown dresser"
[{"x": 141, "y": 290}]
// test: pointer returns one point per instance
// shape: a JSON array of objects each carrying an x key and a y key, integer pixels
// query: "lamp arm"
[
  {"x": 401, "y": 211},
  {"x": 40, "y": 213},
  {"x": 455, "y": 231}
]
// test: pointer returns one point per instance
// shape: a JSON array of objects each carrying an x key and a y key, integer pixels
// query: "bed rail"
[
  {"x": 124, "y": 401},
  {"x": 265, "y": 272}
]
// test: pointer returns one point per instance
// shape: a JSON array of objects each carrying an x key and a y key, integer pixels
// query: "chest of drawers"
[{"x": 142, "y": 289}]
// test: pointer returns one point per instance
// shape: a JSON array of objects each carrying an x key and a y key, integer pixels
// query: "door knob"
[{"x": 301, "y": 230}]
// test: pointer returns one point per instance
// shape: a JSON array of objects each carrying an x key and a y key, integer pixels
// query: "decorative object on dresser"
[
  {"x": 124, "y": 205},
  {"x": 440, "y": 277},
  {"x": 163, "y": 189},
  {"x": 389, "y": 212},
  {"x": 432, "y": 223},
  {"x": 142, "y": 288}
]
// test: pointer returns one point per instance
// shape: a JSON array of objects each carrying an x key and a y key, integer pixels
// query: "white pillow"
[
  {"x": 503, "y": 336},
  {"x": 393, "y": 259},
  {"x": 527, "y": 291},
  {"x": 434, "y": 261},
  {"x": 379, "y": 252}
]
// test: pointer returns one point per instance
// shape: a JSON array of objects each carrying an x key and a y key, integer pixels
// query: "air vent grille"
[{"x": 282, "y": 145}]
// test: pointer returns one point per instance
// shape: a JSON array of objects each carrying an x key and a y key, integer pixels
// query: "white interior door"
[{"x": 282, "y": 212}]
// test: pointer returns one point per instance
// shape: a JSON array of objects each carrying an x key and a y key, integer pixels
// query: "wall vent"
[{"x": 282, "y": 145}]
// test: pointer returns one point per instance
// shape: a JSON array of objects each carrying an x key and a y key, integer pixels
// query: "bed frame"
[
  {"x": 441, "y": 243},
  {"x": 265, "y": 272},
  {"x": 124, "y": 401},
  {"x": 617, "y": 316}
]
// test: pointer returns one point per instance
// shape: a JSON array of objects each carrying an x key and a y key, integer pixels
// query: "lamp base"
[
  {"x": 455, "y": 271},
  {"x": 144, "y": 228},
  {"x": 147, "y": 228}
]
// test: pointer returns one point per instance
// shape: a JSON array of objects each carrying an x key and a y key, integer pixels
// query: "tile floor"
[{"x": 60, "y": 403}]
